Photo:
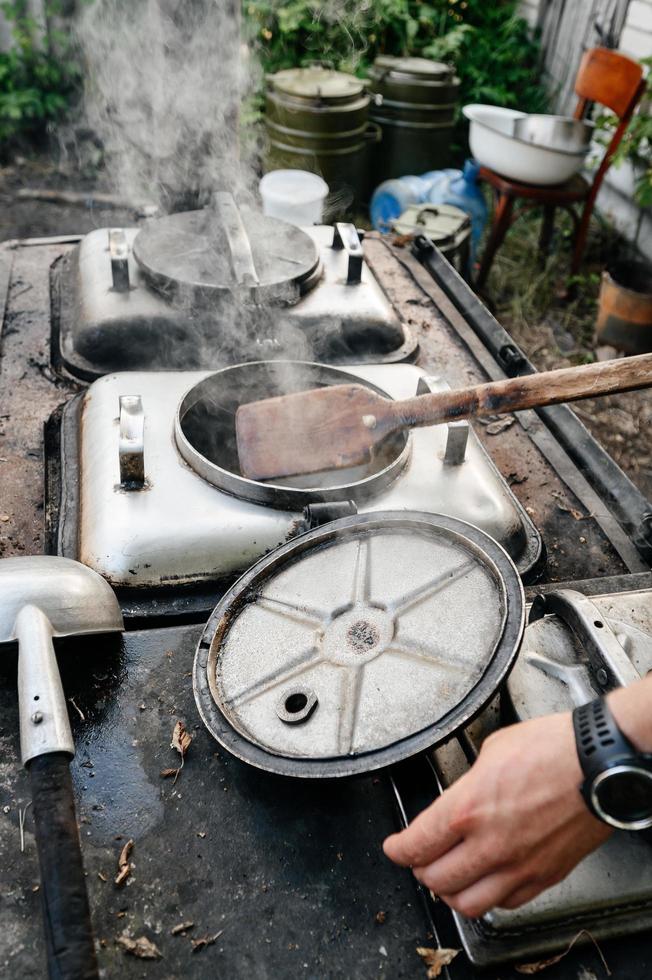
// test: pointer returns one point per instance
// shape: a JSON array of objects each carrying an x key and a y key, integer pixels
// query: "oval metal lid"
[
  {"x": 418, "y": 68},
  {"x": 317, "y": 83},
  {"x": 190, "y": 252},
  {"x": 359, "y": 644}
]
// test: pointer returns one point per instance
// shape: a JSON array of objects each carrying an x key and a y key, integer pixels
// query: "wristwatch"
[{"x": 617, "y": 785}]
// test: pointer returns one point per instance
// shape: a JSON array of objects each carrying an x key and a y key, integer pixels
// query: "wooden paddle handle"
[
  {"x": 69, "y": 942},
  {"x": 530, "y": 391}
]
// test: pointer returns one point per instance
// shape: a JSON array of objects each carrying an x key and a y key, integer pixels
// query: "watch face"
[{"x": 622, "y": 796}]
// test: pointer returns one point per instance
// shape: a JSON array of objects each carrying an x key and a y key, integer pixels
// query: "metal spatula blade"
[{"x": 309, "y": 431}]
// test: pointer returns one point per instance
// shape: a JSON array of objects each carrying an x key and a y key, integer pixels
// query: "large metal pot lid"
[
  {"x": 431, "y": 71},
  {"x": 205, "y": 436},
  {"x": 359, "y": 644},
  {"x": 316, "y": 83},
  {"x": 226, "y": 249}
]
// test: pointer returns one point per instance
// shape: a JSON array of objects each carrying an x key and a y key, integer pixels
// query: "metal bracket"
[
  {"x": 346, "y": 236},
  {"x": 119, "y": 252},
  {"x": 132, "y": 442},
  {"x": 610, "y": 663}
]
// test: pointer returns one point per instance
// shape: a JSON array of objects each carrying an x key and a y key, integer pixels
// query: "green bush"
[
  {"x": 36, "y": 84},
  {"x": 490, "y": 45}
]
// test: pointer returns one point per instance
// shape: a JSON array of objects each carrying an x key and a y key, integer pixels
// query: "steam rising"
[{"x": 165, "y": 80}]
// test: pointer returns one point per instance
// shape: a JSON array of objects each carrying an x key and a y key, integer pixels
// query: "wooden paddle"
[{"x": 338, "y": 426}]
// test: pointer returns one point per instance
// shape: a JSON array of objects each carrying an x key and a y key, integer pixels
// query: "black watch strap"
[{"x": 600, "y": 742}]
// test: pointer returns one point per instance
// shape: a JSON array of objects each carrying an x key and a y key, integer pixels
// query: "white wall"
[{"x": 636, "y": 39}]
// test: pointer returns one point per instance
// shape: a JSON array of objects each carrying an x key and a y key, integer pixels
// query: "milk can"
[
  {"x": 317, "y": 119},
  {"x": 415, "y": 102}
]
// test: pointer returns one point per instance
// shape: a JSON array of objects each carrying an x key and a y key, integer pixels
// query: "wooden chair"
[{"x": 604, "y": 76}]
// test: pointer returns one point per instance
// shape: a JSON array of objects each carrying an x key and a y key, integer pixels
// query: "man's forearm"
[{"x": 632, "y": 708}]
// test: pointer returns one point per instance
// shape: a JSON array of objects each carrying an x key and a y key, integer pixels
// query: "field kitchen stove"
[
  {"x": 201, "y": 289},
  {"x": 150, "y": 493},
  {"x": 141, "y": 477}
]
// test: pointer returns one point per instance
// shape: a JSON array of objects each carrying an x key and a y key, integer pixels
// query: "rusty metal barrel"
[
  {"x": 317, "y": 119},
  {"x": 414, "y": 103}
]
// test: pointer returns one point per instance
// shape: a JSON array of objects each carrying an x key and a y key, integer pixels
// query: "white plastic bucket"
[{"x": 296, "y": 196}]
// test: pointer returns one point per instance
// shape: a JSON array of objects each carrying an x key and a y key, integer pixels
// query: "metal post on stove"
[
  {"x": 457, "y": 437},
  {"x": 457, "y": 433},
  {"x": 346, "y": 236},
  {"x": 131, "y": 447},
  {"x": 119, "y": 252}
]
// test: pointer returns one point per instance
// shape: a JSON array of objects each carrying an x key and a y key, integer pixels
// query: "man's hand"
[{"x": 511, "y": 827}]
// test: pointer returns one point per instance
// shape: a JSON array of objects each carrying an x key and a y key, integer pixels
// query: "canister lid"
[
  {"x": 424, "y": 68},
  {"x": 441, "y": 223},
  {"x": 359, "y": 644},
  {"x": 316, "y": 83}
]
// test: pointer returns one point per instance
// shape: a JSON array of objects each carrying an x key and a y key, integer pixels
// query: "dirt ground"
[{"x": 521, "y": 290}]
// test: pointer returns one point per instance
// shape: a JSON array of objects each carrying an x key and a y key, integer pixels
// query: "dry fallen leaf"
[
  {"x": 181, "y": 739},
  {"x": 436, "y": 959},
  {"x": 567, "y": 509},
  {"x": 124, "y": 867},
  {"x": 529, "y": 969},
  {"x": 142, "y": 947},
  {"x": 495, "y": 428},
  {"x": 198, "y": 944},
  {"x": 182, "y": 927}
]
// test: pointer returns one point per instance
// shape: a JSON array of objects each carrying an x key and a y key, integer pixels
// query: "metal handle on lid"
[
  {"x": 242, "y": 259},
  {"x": 132, "y": 442},
  {"x": 119, "y": 253},
  {"x": 346, "y": 236},
  {"x": 611, "y": 665}
]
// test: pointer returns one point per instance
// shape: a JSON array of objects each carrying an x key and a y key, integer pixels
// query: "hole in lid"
[
  {"x": 37, "y": 697},
  {"x": 598, "y": 624},
  {"x": 296, "y": 702}
]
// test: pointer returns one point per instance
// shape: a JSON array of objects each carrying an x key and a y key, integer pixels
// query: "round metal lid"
[
  {"x": 319, "y": 83},
  {"x": 202, "y": 253},
  {"x": 205, "y": 436},
  {"x": 359, "y": 644},
  {"x": 430, "y": 71}
]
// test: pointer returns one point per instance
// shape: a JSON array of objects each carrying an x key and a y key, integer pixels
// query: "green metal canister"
[
  {"x": 317, "y": 119},
  {"x": 414, "y": 104}
]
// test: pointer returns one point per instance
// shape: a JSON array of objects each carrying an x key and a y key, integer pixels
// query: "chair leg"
[
  {"x": 499, "y": 228},
  {"x": 547, "y": 228},
  {"x": 580, "y": 239}
]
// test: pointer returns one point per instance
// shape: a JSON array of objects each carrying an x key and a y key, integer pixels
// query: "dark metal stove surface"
[{"x": 290, "y": 872}]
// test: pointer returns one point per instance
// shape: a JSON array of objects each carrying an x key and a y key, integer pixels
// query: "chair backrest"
[
  {"x": 615, "y": 81},
  {"x": 610, "y": 78}
]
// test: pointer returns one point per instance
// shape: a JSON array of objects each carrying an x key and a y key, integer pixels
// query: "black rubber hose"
[{"x": 66, "y": 915}]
